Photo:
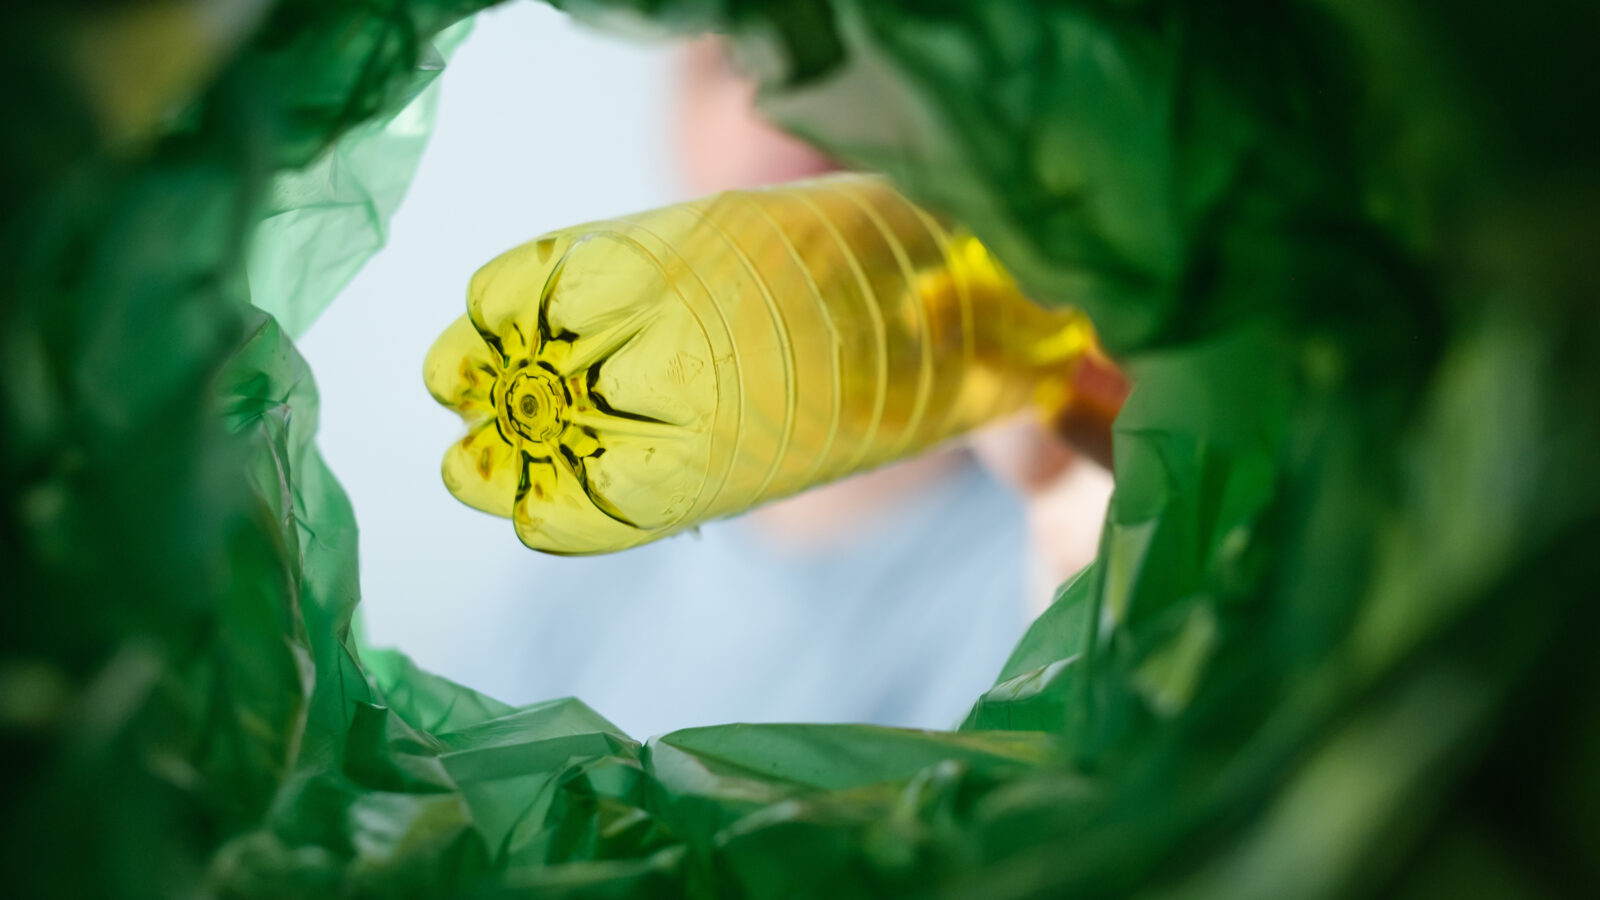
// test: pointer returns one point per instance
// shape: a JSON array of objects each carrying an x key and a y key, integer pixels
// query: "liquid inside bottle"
[{"x": 631, "y": 378}]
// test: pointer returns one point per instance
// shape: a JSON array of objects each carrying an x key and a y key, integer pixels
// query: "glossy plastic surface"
[{"x": 628, "y": 379}]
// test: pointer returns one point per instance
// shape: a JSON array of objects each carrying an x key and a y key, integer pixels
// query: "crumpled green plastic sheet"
[
  {"x": 324, "y": 220},
  {"x": 1336, "y": 639}
]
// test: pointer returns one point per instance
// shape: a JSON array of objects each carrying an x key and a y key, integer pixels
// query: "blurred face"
[{"x": 723, "y": 142}]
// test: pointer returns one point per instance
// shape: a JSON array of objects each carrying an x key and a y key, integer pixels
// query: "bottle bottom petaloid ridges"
[{"x": 631, "y": 378}]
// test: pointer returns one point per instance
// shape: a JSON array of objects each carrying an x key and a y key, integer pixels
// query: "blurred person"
[{"x": 893, "y": 597}]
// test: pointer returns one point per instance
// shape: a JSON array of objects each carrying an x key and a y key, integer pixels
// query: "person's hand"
[{"x": 1062, "y": 470}]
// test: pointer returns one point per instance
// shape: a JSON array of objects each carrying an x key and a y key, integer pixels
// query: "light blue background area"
[{"x": 905, "y": 621}]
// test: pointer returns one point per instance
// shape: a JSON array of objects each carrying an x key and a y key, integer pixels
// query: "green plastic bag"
[
  {"x": 1335, "y": 640},
  {"x": 324, "y": 220}
]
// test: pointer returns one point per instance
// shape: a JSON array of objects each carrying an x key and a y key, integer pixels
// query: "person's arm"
[{"x": 1062, "y": 469}]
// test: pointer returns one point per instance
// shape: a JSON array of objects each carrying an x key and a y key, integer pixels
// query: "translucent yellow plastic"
[{"x": 628, "y": 379}]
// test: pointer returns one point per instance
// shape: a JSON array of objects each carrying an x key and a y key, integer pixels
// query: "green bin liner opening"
[{"x": 1336, "y": 641}]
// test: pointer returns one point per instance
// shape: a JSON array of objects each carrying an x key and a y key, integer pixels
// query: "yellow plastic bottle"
[{"x": 628, "y": 379}]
